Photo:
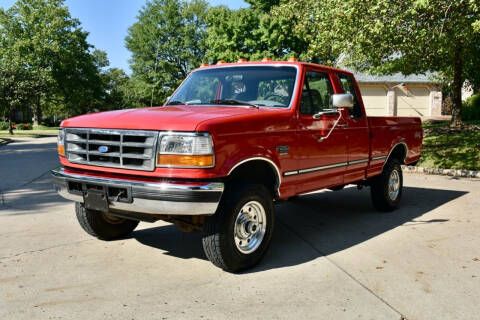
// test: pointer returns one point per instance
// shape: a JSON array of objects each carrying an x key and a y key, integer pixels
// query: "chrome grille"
[{"x": 128, "y": 149}]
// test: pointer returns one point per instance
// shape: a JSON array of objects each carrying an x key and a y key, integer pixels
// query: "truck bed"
[{"x": 386, "y": 132}]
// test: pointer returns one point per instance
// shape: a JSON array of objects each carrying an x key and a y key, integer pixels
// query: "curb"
[
  {"x": 6, "y": 141},
  {"x": 442, "y": 172}
]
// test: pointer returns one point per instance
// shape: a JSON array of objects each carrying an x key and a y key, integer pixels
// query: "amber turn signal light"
[
  {"x": 267, "y": 59},
  {"x": 61, "y": 150},
  {"x": 242, "y": 60},
  {"x": 221, "y": 62},
  {"x": 176, "y": 160},
  {"x": 292, "y": 59},
  {"x": 204, "y": 65}
]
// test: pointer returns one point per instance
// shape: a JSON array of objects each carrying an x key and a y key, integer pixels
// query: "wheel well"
[
  {"x": 259, "y": 171},
  {"x": 398, "y": 152}
]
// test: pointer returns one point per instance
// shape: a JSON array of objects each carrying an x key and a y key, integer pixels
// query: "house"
[{"x": 400, "y": 95}]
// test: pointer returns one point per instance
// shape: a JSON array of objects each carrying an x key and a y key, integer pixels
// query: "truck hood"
[{"x": 180, "y": 118}]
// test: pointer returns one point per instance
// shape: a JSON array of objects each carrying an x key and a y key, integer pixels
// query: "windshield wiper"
[{"x": 233, "y": 102}]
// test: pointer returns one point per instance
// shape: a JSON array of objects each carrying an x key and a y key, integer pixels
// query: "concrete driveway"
[{"x": 332, "y": 257}]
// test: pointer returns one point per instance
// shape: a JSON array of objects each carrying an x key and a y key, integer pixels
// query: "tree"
[
  {"x": 79, "y": 83},
  {"x": 166, "y": 42},
  {"x": 42, "y": 37},
  {"x": 263, "y": 5},
  {"x": 14, "y": 89},
  {"x": 119, "y": 92},
  {"x": 251, "y": 33},
  {"x": 411, "y": 36}
]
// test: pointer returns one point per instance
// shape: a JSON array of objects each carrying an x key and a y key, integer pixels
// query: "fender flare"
[
  {"x": 393, "y": 148},
  {"x": 269, "y": 161}
]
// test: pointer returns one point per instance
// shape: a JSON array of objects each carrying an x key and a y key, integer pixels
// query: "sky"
[{"x": 107, "y": 21}]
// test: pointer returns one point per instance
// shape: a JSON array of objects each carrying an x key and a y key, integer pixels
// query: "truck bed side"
[{"x": 387, "y": 133}]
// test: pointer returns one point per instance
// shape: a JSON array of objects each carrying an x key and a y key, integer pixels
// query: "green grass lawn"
[
  {"x": 452, "y": 150},
  {"x": 35, "y": 132}
]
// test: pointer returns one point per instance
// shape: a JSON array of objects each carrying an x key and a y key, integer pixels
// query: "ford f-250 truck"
[{"x": 232, "y": 140}]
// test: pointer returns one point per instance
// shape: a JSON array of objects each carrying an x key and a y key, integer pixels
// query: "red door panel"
[
  {"x": 321, "y": 160},
  {"x": 358, "y": 133}
]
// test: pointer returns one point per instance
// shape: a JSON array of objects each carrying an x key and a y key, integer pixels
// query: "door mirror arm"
[{"x": 333, "y": 127}]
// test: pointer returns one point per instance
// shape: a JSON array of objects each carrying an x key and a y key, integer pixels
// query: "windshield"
[{"x": 259, "y": 86}]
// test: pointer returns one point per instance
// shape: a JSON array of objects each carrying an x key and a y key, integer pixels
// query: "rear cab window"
[{"x": 346, "y": 81}]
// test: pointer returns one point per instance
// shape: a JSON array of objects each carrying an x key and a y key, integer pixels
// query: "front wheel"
[
  {"x": 102, "y": 225},
  {"x": 386, "y": 189},
  {"x": 237, "y": 236}
]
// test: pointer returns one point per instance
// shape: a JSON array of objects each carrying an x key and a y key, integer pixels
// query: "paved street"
[{"x": 332, "y": 257}]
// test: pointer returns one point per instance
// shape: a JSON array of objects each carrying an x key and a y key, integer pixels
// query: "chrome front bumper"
[{"x": 143, "y": 197}]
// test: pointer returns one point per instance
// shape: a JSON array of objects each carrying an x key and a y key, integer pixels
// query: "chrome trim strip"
[
  {"x": 279, "y": 176},
  {"x": 358, "y": 161},
  {"x": 406, "y": 151},
  {"x": 330, "y": 166},
  {"x": 208, "y": 186},
  {"x": 379, "y": 158}
]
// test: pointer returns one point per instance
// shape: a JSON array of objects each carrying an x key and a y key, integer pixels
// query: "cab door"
[
  {"x": 321, "y": 152},
  {"x": 358, "y": 133}
]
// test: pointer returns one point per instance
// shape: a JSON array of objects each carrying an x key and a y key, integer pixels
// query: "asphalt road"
[{"x": 332, "y": 257}]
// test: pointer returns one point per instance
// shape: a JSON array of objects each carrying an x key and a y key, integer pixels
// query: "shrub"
[
  {"x": 24, "y": 126},
  {"x": 3, "y": 125},
  {"x": 471, "y": 108}
]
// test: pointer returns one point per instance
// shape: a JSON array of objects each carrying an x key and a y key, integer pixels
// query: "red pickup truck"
[{"x": 232, "y": 140}]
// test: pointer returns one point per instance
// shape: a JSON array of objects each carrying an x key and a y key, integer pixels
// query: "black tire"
[
  {"x": 382, "y": 199},
  {"x": 102, "y": 226},
  {"x": 219, "y": 232}
]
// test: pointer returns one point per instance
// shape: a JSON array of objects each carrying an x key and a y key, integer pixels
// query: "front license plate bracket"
[{"x": 96, "y": 199}]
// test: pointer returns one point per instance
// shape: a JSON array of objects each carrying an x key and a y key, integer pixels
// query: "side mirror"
[{"x": 342, "y": 100}]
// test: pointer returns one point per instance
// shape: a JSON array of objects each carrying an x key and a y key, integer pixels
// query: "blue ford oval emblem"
[{"x": 103, "y": 149}]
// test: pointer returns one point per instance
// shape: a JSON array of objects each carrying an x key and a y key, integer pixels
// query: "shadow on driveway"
[
  {"x": 25, "y": 160},
  {"x": 37, "y": 197},
  {"x": 315, "y": 225}
]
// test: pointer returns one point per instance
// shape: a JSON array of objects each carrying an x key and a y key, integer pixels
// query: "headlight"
[
  {"x": 185, "y": 150},
  {"x": 61, "y": 142}
]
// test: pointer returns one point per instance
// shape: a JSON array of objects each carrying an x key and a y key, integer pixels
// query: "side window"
[
  {"x": 316, "y": 94},
  {"x": 347, "y": 85}
]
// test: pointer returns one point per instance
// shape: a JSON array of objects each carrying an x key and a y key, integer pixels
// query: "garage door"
[
  {"x": 416, "y": 105},
  {"x": 375, "y": 100}
]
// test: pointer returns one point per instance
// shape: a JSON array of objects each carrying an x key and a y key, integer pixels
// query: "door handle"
[{"x": 344, "y": 126}]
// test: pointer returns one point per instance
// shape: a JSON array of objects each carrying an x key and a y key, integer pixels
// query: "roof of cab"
[{"x": 296, "y": 63}]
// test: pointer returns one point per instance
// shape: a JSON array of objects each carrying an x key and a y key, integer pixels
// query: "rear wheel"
[
  {"x": 237, "y": 236},
  {"x": 386, "y": 189},
  {"x": 102, "y": 225}
]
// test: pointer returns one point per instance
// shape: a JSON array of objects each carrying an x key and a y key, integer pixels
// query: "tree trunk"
[
  {"x": 457, "y": 87},
  {"x": 37, "y": 115},
  {"x": 10, "y": 123}
]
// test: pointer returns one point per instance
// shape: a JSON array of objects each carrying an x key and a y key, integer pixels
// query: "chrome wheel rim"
[
  {"x": 250, "y": 226},
  {"x": 394, "y": 185}
]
